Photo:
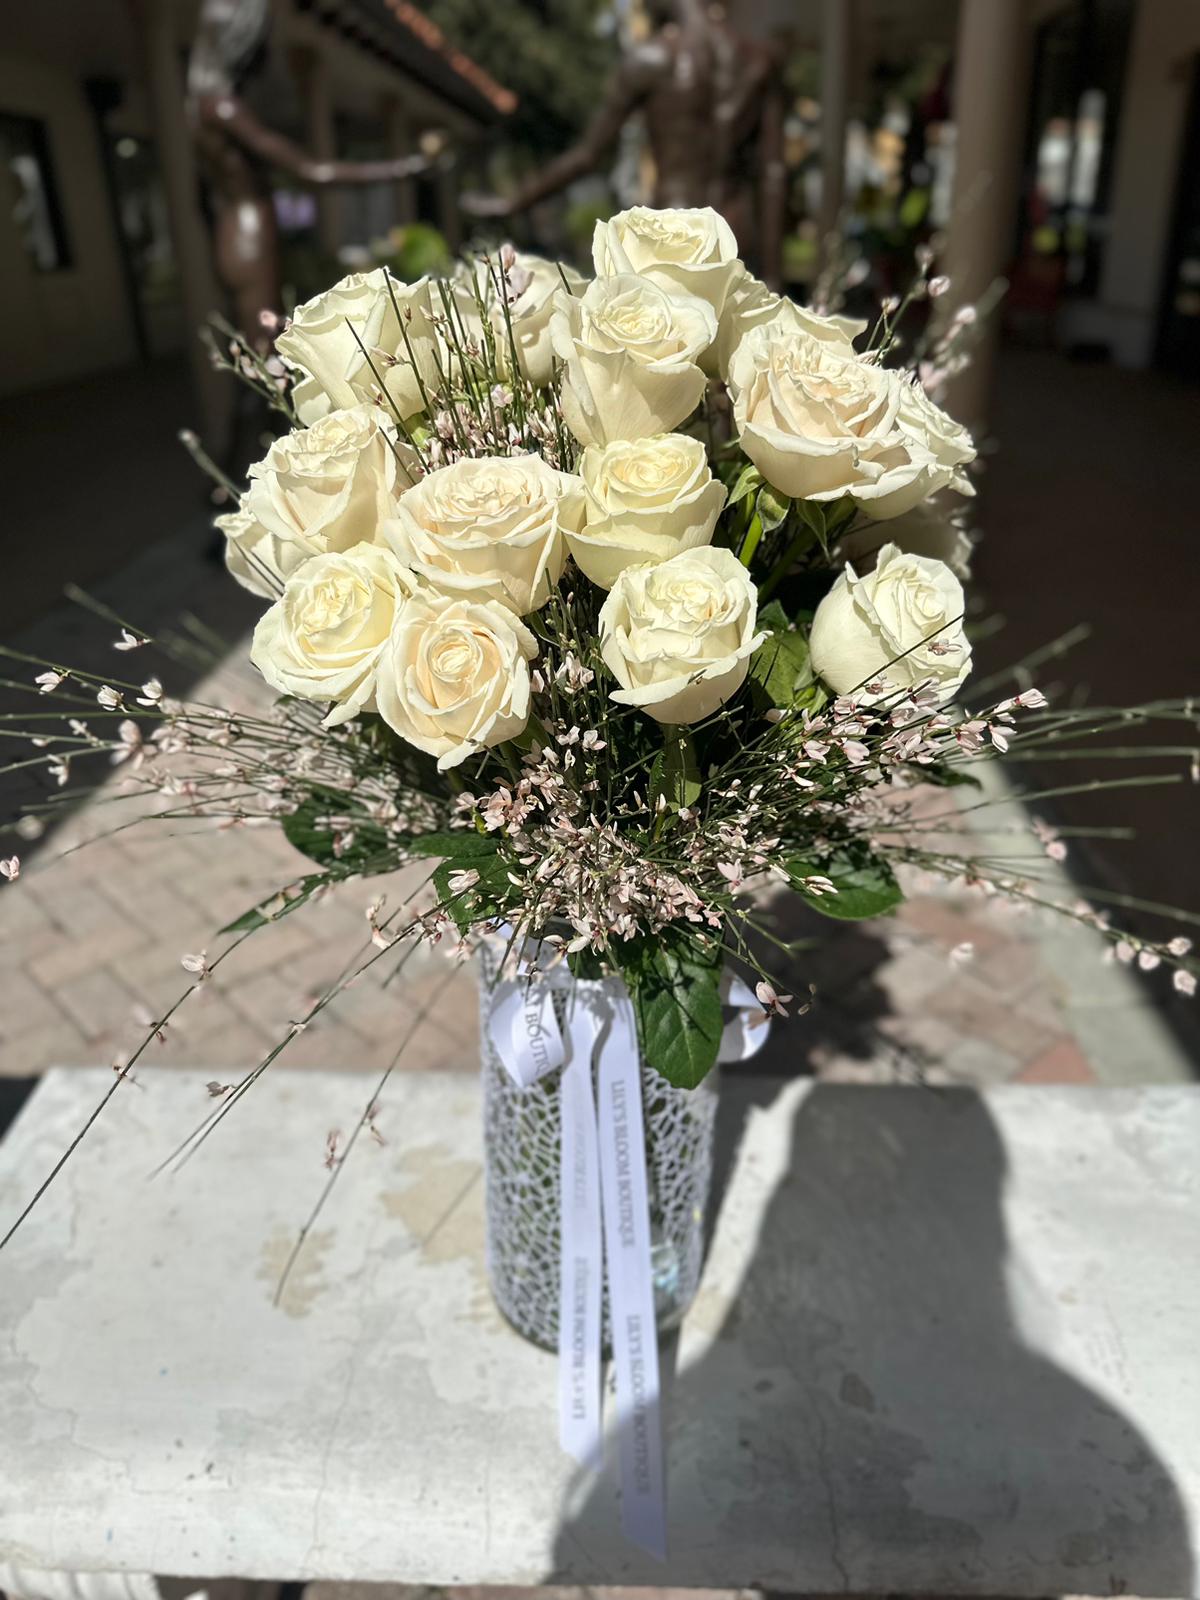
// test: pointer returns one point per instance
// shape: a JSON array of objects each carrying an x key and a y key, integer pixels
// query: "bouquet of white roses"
[
  {"x": 618, "y": 600},
  {"x": 638, "y": 593}
]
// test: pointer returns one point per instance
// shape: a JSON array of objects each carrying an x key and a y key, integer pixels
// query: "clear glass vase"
[{"x": 522, "y": 1132}]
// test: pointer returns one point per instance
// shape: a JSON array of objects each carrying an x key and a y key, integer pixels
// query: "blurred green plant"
[
  {"x": 581, "y": 219},
  {"x": 416, "y": 250}
]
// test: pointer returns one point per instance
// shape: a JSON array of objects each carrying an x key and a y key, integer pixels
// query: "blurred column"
[
  {"x": 400, "y": 142},
  {"x": 837, "y": 26},
  {"x": 313, "y": 73},
  {"x": 199, "y": 290},
  {"x": 991, "y": 71}
]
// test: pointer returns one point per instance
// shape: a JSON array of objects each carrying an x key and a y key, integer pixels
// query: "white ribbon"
[
  {"x": 581, "y": 1281},
  {"x": 525, "y": 1030},
  {"x": 604, "y": 1160},
  {"x": 630, "y": 1284}
]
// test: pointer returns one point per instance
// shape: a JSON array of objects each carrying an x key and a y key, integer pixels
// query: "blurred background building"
[
  {"x": 1057, "y": 145},
  {"x": 1063, "y": 136},
  {"x": 103, "y": 257}
]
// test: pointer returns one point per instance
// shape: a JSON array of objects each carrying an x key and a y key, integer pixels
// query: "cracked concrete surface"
[{"x": 945, "y": 1344}]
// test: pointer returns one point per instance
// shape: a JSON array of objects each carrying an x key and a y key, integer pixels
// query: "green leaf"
[
  {"x": 749, "y": 479},
  {"x": 486, "y": 899},
  {"x": 675, "y": 772},
  {"x": 773, "y": 508},
  {"x": 372, "y": 849},
  {"x": 467, "y": 852},
  {"x": 464, "y": 846},
  {"x": 811, "y": 699},
  {"x": 839, "y": 514},
  {"x": 780, "y": 670},
  {"x": 814, "y": 515},
  {"x": 865, "y": 884},
  {"x": 277, "y": 906},
  {"x": 676, "y": 995}
]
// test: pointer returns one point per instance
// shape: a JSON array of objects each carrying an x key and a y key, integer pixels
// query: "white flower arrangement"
[{"x": 622, "y": 600}]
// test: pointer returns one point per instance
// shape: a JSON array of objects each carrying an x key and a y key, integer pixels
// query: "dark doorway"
[{"x": 1178, "y": 347}]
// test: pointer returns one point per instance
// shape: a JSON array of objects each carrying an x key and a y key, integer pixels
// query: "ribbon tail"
[
  {"x": 524, "y": 1031},
  {"x": 630, "y": 1281},
  {"x": 581, "y": 1282}
]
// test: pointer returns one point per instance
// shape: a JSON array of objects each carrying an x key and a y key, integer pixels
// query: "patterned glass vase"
[{"x": 522, "y": 1132}]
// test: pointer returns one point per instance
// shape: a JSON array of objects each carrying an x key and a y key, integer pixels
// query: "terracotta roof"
[
  {"x": 402, "y": 34},
  {"x": 432, "y": 37}
]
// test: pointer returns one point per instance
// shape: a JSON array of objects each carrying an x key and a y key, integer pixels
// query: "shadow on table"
[
  {"x": 832, "y": 970},
  {"x": 868, "y": 1415}
]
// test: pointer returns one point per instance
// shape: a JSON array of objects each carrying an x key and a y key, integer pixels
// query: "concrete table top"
[{"x": 946, "y": 1343}]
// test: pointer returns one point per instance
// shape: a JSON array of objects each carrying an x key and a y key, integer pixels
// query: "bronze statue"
[
  {"x": 236, "y": 152},
  {"x": 710, "y": 98}
]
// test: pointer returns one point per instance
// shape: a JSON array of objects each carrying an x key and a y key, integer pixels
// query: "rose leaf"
[
  {"x": 676, "y": 995},
  {"x": 865, "y": 885}
]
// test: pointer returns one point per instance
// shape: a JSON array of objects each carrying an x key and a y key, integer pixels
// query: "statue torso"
[
  {"x": 686, "y": 76},
  {"x": 678, "y": 95}
]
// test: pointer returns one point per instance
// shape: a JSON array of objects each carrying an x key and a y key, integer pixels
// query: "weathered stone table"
[{"x": 945, "y": 1343}]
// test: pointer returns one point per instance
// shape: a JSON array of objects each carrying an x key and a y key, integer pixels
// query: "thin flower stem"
[
  {"x": 192, "y": 1143},
  {"x": 152, "y": 1033},
  {"x": 1054, "y": 651},
  {"x": 964, "y": 866},
  {"x": 89, "y": 603},
  {"x": 208, "y": 466},
  {"x": 363, "y": 1121}
]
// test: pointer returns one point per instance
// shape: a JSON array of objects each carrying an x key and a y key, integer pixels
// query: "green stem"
[{"x": 750, "y": 542}]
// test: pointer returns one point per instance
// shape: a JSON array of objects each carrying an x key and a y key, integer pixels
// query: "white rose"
[
  {"x": 820, "y": 423},
  {"x": 646, "y": 500},
  {"x": 328, "y": 487},
  {"x": 809, "y": 415},
  {"x": 900, "y": 624},
  {"x": 322, "y": 639},
  {"x": 926, "y": 455},
  {"x": 454, "y": 678},
  {"x": 631, "y": 351},
  {"x": 531, "y": 285},
  {"x": 693, "y": 250},
  {"x": 750, "y": 304},
  {"x": 489, "y": 528},
  {"x": 678, "y": 637},
  {"x": 249, "y": 557},
  {"x": 947, "y": 441},
  {"x": 350, "y": 341},
  {"x": 310, "y": 401}
]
